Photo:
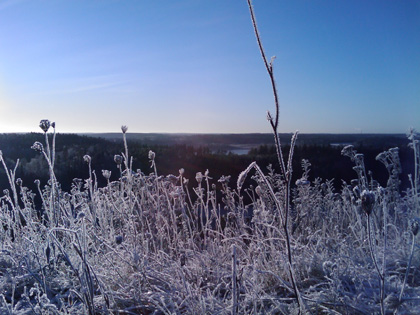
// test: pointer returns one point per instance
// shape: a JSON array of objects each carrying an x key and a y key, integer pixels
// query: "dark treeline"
[{"x": 327, "y": 161}]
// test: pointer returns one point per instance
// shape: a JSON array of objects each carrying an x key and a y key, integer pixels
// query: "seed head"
[
  {"x": 152, "y": 155},
  {"x": 181, "y": 171},
  {"x": 118, "y": 159},
  {"x": 37, "y": 146},
  {"x": 368, "y": 201},
  {"x": 348, "y": 150},
  {"x": 106, "y": 174},
  {"x": 124, "y": 129},
  {"x": 415, "y": 226},
  {"x": 225, "y": 179},
  {"x": 45, "y": 125},
  {"x": 199, "y": 177},
  {"x": 19, "y": 182}
]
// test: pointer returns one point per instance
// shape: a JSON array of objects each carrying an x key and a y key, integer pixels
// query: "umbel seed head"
[{"x": 37, "y": 146}]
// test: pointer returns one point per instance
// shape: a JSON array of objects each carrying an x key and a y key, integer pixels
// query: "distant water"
[{"x": 239, "y": 151}]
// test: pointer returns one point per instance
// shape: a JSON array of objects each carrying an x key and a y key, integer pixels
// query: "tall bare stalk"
[{"x": 286, "y": 172}]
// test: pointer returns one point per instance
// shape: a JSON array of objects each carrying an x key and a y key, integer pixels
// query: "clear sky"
[{"x": 194, "y": 65}]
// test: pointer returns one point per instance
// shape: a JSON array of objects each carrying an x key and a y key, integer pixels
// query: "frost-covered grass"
[
  {"x": 162, "y": 244},
  {"x": 165, "y": 244}
]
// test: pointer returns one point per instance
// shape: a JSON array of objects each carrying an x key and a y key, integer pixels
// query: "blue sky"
[{"x": 194, "y": 65}]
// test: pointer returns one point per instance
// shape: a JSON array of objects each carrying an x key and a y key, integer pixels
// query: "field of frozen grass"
[
  {"x": 162, "y": 244},
  {"x": 151, "y": 243}
]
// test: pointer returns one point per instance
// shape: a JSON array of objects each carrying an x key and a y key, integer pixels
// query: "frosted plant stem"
[
  {"x": 234, "y": 283},
  {"x": 286, "y": 173},
  {"x": 385, "y": 227},
  {"x": 381, "y": 277},
  {"x": 53, "y": 149},
  {"x": 11, "y": 177},
  {"x": 408, "y": 268}
]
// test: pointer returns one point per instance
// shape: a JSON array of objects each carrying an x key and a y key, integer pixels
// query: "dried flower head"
[
  {"x": 348, "y": 150},
  {"x": 118, "y": 159},
  {"x": 44, "y": 125},
  {"x": 152, "y": 155},
  {"x": 37, "y": 146},
  {"x": 415, "y": 226},
  {"x": 368, "y": 201},
  {"x": 124, "y": 129},
  {"x": 225, "y": 179},
  {"x": 19, "y": 182},
  {"x": 106, "y": 174},
  {"x": 181, "y": 171},
  {"x": 199, "y": 177}
]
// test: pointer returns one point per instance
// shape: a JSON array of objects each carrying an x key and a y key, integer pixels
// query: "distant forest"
[{"x": 195, "y": 153}]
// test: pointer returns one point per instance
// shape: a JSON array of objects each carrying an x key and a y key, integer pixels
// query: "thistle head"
[
  {"x": 124, "y": 129},
  {"x": 45, "y": 125}
]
